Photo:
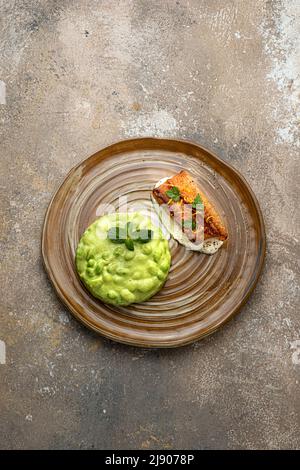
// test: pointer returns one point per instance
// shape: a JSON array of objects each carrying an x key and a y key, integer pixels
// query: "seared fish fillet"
[{"x": 184, "y": 185}]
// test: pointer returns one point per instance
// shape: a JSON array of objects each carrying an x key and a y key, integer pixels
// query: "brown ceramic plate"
[{"x": 202, "y": 292}]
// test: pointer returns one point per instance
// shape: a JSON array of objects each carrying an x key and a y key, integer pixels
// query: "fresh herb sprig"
[
  {"x": 198, "y": 202},
  {"x": 197, "y": 205},
  {"x": 128, "y": 235},
  {"x": 173, "y": 193}
]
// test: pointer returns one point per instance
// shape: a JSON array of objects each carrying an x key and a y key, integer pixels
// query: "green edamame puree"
[{"x": 118, "y": 275}]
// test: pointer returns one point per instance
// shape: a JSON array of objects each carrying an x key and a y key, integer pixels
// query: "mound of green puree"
[{"x": 122, "y": 258}]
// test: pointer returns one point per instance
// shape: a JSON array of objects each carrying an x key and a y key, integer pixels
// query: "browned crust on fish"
[{"x": 213, "y": 225}]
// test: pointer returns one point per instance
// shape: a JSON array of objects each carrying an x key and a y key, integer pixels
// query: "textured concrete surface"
[{"x": 78, "y": 76}]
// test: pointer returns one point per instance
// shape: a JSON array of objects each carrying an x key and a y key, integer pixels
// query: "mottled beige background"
[{"x": 80, "y": 75}]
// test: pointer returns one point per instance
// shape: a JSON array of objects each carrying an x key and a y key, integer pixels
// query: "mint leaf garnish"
[
  {"x": 128, "y": 235},
  {"x": 117, "y": 234},
  {"x": 144, "y": 236},
  {"x": 129, "y": 244},
  {"x": 130, "y": 228}
]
